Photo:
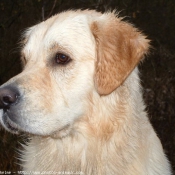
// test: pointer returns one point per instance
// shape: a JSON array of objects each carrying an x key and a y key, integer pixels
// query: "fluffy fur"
[{"x": 88, "y": 115}]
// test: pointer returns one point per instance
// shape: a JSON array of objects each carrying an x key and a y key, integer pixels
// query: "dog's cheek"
[{"x": 75, "y": 89}]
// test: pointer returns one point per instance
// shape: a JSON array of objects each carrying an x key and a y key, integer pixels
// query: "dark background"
[{"x": 156, "y": 18}]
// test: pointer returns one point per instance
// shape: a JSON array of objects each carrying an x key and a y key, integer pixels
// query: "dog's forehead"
[{"x": 66, "y": 29}]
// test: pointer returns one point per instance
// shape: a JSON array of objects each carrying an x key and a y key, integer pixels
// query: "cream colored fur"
[{"x": 87, "y": 116}]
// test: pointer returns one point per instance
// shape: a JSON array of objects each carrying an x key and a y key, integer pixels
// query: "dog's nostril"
[{"x": 8, "y": 97}]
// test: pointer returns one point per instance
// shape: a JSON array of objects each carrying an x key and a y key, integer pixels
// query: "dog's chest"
[{"x": 65, "y": 156}]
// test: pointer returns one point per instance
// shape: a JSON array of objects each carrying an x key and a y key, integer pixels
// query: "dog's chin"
[
  {"x": 63, "y": 132},
  {"x": 8, "y": 124}
]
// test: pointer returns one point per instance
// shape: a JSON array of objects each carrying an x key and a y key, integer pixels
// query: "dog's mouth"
[
  {"x": 9, "y": 121},
  {"x": 9, "y": 124}
]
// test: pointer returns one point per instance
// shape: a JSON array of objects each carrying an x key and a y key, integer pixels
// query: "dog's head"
[{"x": 66, "y": 58}]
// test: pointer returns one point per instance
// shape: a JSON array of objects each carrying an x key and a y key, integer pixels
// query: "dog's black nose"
[{"x": 8, "y": 97}]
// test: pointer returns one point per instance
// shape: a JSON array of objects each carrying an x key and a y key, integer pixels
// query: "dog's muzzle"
[{"x": 9, "y": 97}]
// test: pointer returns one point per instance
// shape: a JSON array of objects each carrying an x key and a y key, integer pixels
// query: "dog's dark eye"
[{"x": 62, "y": 58}]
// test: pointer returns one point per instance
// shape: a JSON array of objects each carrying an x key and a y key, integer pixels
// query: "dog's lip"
[{"x": 9, "y": 124}]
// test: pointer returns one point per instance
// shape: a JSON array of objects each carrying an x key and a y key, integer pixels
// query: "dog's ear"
[{"x": 120, "y": 47}]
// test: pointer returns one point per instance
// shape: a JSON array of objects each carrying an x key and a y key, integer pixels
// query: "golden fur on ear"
[{"x": 120, "y": 47}]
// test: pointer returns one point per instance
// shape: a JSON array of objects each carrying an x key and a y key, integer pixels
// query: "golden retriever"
[{"x": 79, "y": 98}]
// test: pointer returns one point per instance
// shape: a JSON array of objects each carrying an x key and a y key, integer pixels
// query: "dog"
[{"x": 79, "y": 98}]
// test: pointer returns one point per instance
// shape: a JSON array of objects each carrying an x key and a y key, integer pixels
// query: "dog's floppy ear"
[{"x": 120, "y": 47}]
